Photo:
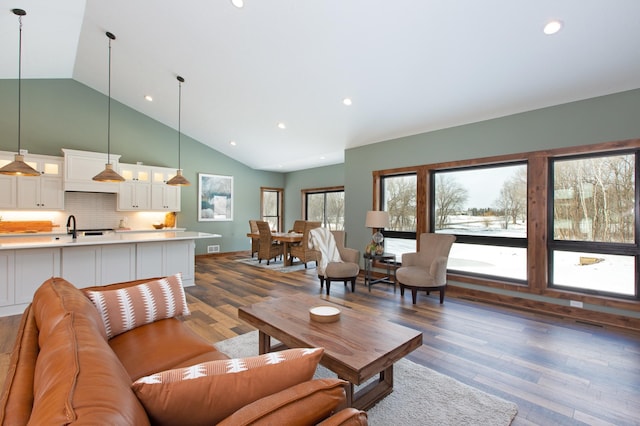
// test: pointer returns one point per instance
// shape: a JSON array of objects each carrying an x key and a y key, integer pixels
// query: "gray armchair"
[{"x": 426, "y": 269}]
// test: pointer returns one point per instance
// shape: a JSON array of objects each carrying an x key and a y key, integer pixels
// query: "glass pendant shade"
[
  {"x": 108, "y": 174},
  {"x": 178, "y": 179},
  {"x": 18, "y": 167}
]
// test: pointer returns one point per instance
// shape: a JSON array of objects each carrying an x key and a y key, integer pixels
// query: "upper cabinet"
[
  {"x": 81, "y": 166},
  {"x": 135, "y": 191},
  {"x": 145, "y": 188},
  {"x": 34, "y": 192}
]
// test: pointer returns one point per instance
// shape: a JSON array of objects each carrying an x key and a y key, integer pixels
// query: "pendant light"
[
  {"x": 108, "y": 174},
  {"x": 18, "y": 167},
  {"x": 178, "y": 179}
]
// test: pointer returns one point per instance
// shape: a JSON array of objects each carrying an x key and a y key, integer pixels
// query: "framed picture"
[{"x": 216, "y": 198}]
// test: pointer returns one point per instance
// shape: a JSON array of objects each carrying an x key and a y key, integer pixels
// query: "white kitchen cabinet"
[
  {"x": 7, "y": 277},
  {"x": 87, "y": 266},
  {"x": 118, "y": 263},
  {"x": 166, "y": 258},
  {"x": 28, "y": 276},
  {"x": 81, "y": 166},
  {"x": 81, "y": 265},
  {"x": 165, "y": 197},
  {"x": 33, "y": 192},
  {"x": 134, "y": 196},
  {"x": 40, "y": 192},
  {"x": 135, "y": 172},
  {"x": 8, "y": 189}
]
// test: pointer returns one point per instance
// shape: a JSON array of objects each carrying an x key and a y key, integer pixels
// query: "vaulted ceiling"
[{"x": 408, "y": 66}]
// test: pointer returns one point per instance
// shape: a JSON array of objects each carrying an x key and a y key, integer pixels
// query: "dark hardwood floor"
[{"x": 558, "y": 371}]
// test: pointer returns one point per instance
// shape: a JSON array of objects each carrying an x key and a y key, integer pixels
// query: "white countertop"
[{"x": 64, "y": 240}]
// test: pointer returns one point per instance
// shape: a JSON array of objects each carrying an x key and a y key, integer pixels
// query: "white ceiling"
[{"x": 410, "y": 66}]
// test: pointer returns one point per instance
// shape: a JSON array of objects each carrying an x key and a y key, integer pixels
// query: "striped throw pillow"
[{"x": 127, "y": 308}]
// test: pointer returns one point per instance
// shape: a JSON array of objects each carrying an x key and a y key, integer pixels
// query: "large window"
[
  {"x": 486, "y": 208},
  {"x": 271, "y": 207},
  {"x": 594, "y": 245},
  {"x": 399, "y": 199},
  {"x": 325, "y": 205}
]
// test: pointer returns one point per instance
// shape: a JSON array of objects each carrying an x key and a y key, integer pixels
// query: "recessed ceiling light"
[
  {"x": 238, "y": 3},
  {"x": 322, "y": 157},
  {"x": 347, "y": 101},
  {"x": 148, "y": 98},
  {"x": 281, "y": 125},
  {"x": 232, "y": 143},
  {"x": 552, "y": 27}
]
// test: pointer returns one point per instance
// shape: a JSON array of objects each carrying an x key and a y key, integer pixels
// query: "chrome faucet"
[{"x": 72, "y": 231}]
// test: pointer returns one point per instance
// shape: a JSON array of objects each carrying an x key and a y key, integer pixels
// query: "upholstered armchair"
[
  {"x": 335, "y": 261},
  {"x": 255, "y": 242},
  {"x": 426, "y": 269},
  {"x": 302, "y": 250},
  {"x": 268, "y": 249}
]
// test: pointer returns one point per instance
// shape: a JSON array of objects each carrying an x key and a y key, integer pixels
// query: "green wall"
[
  {"x": 602, "y": 119},
  {"x": 66, "y": 114},
  {"x": 320, "y": 177}
]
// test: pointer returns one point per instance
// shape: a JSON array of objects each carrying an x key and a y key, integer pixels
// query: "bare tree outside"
[
  {"x": 512, "y": 202},
  {"x": 594, "y": 199},
  {"x": 400, "y": 202},
  {"x": 327, "y": 208},
  {"x": 451, "y": 197}
]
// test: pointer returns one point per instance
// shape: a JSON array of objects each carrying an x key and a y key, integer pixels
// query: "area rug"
[
  {"x": 277, "y": 265},
  {"x": 420, "y": 395}
]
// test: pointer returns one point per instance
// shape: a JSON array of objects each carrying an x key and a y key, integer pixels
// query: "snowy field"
[{"x": 609, "y": 273}]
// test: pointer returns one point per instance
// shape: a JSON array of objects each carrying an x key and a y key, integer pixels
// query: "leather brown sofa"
[{"x": 65, "y": 370}]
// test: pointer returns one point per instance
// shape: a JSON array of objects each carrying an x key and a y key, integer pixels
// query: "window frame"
[
  {"x": 478, "y": 239},
  {"x": 279, "y": 207},
  {"x": 596, "y": 247},
  {"x": 537, "y": 282},
  {"x": 315, "y": 191}
]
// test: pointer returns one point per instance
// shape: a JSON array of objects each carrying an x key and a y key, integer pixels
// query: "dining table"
[{"x": 286, "y": 238}]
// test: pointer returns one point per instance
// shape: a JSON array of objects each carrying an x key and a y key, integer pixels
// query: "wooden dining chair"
[
  {"x": 255, "y": 242},
  {"x": 269, "y": 249},
  {"x": 302, "y": 250}
]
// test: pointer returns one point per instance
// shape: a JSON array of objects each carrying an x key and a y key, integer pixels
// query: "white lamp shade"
[{"x": 377, "y": 219}]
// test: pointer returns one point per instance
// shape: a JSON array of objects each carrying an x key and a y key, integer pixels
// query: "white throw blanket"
[{"x": 321, "y": 239}]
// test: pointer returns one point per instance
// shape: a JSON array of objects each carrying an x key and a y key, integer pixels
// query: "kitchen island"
[{"x": 27, "y": 261}]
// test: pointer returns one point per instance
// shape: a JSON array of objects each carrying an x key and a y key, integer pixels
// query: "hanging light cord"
[
  {"x": 111, "y": 37},
  {"x": 180, "y": 81},
  {"x": 19, "y": 80}
]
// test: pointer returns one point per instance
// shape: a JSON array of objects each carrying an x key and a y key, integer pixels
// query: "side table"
[{"x": 389, "y": 259}]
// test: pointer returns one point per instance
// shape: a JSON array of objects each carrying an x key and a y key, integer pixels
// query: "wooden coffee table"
[{"x": 356, "y": 347}]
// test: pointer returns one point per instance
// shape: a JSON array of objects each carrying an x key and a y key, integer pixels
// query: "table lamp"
[{"x": 377, "y": 220}]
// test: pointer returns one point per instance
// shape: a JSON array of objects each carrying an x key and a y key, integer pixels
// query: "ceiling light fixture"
[
  {"x": 18, "y": 166},
  {"x": 552, "y": 27},
  {"x": 148, "y": 98},
  {"x": 233, "y": 143},
  {"x": 108, "y": 174},
  {"x": 178, "y": 179},
  {"x": 238, "y": 3},
  {"x": 282, "y": 126},
  {"x": 347, "y": 101}
]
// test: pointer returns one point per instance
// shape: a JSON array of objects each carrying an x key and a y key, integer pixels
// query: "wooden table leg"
[
  {"x": 264, "y": 343},
  {"x": 285, "y": 249},
  {"x": 365, "y": 398}
]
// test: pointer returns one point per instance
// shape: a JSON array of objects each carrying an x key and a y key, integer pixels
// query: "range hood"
[{"x": 81, "y": 166}]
